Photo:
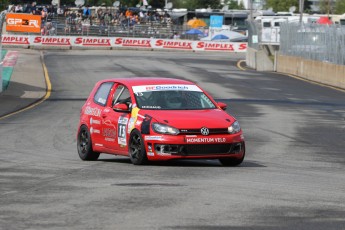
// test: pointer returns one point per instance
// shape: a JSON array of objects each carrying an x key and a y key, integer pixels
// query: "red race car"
[{"x": 157, "y": 119}]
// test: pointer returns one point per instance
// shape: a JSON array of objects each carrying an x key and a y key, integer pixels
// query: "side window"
[
  {"x": 102, "y": 93},
  {"x": 267, "y": 24},
  {"x": 122, "y": 95}
]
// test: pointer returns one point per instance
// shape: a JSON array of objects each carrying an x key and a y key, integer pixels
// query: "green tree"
[
  {"x": 4, "y": 4},
  {"x": 307, "y": 6},
  {"x": 279, "y": 5},
  {"x": 325, "y": 7},
  {"x": 235, "y": 6},
  {"x": 339, "y": 7},
  {"x": 196, "y": 4}
]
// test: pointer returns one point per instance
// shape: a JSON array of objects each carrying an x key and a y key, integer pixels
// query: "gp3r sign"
[{"x": 23, "y": 23}]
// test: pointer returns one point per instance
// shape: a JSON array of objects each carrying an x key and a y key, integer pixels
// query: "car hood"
[{"x": 211, "y": 118}]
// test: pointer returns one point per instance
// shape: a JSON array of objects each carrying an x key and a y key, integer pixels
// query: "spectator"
[
  {"x": 19, "y": 8},
  {"x": 176, "y": 36},
  {"x": 12, "y": 9},
  {"x": 33, "y": 7},
  {"x": 44, "y": 14},
  {"x": 86, "y": 12}
]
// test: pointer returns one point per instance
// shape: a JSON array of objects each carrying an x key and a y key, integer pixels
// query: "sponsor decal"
[
  {"x": 204, "y": 140},
  {"x": 102, "y": 101},
  {"x": 121, "y": 130},
  {"x": 145, "y": 125},
  {"x": 145, "y": 88},
  {"x": 150, "y": 154},
  {"x": 52, "y": 41},
  {"x": 92, "y": 41},
  {"x": 127, "y": 42},
  {"x": 108, "y": 123},
  {"x": 108, "y": 132},
  {"x": 92, "y": 111},
  {"x": 15, "y": 40},
  {"x": 131, "y": 124},
  {"x": 150, "y": 107},
  {"x": 172, "y": 44},
  {"x": 99, "y": 144},
  {"x": 153, "y": 138},
  {"x": 109, "y": 139},
  {"x": 92, "y": 130},
  {"x": 93, "y": 121}
]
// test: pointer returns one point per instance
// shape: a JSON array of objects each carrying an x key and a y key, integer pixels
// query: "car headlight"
[
  {"x": 164, "y": 129},
  {"x": 234, "y": 128}
]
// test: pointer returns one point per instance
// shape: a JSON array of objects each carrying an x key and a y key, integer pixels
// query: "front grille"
[
  {"x": 199, "y": 150},
  {"x": 198, "y": 131}
]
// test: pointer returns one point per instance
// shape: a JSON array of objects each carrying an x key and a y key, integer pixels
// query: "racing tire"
[
  {"x": 137, "y": 152},
  {"x": 84, "y": 145},
  {"x": 231, "y": 161}
]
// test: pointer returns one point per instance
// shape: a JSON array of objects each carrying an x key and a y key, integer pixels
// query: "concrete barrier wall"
[
  {"x": 322, "y": 72},
  {"x": 258, "y": 59},
  {"x": 251, "y": 57}
]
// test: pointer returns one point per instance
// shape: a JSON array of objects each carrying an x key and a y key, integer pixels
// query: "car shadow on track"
[{"x": 183, "y": 163}]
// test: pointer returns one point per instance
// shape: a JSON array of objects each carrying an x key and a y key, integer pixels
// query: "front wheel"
[
  {"x": 231, "y": 161},
  {"x": 84, "y": 145},
  {"x": 137, "y": 152}
]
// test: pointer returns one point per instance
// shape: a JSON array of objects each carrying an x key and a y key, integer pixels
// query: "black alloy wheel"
[
  {"x": 84, "y": 145},
  {"x": 137, "y": 152}
]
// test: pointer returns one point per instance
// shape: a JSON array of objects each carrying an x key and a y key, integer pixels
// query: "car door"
[
  {"x": 95, "y": 110},
  {"x": 115, "y": 123}
]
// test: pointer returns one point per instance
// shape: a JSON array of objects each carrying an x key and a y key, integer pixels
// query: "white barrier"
[{"x": 121, "y": 42}]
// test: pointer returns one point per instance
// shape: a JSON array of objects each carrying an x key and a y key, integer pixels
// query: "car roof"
[{"x": 136, "y": 81}]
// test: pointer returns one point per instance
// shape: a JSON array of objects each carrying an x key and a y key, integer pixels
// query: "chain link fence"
[
  {"x": 307, "y": 40},
  {"x": 313, "y": 41}
]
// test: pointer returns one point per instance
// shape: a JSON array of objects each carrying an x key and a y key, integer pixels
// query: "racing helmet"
[{"x": 173, "y": 99}]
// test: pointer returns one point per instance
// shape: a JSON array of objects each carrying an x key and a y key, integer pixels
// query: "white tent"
[{"x": 232, "y": 35}]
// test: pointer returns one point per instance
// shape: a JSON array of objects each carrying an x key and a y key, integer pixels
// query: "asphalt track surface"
[{"x": 292, "y": 177}]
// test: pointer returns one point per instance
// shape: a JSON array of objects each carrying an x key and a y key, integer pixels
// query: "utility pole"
[
  {"x": 328, "y": 8},
  {"x": 251, "y": 9},
  {"x": 301, "y": 7}
]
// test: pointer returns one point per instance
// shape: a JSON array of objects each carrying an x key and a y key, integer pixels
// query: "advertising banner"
[
  {"x": 23, "y": 23},
  {"x": 216, "y": 21},
  {"x": 120, "y": 42}
]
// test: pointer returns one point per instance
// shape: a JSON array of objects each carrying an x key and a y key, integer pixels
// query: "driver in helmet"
[{"x": 173, "y": 99}]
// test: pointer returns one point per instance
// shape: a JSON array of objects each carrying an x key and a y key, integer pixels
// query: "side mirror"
[
  {"x": 222, "y": 105},
  {"x": 121, "y": 107}
]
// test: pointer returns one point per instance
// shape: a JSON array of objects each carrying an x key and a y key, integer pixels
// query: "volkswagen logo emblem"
[{"x": 204, "y": 131}]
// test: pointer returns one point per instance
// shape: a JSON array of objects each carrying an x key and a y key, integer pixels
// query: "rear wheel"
[
  {"x": 137, "y": 152},
  {"x": 84, "y": 145}
]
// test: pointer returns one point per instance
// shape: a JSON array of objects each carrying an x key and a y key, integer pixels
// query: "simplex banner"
[{"x": 122, "y": 42}]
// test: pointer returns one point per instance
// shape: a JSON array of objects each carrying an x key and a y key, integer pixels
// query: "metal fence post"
[{"x": 2, "y": 17}]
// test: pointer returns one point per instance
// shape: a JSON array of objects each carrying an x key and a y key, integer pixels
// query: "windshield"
[{"x": 168, "y": 98}]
